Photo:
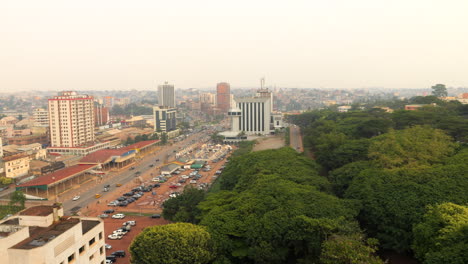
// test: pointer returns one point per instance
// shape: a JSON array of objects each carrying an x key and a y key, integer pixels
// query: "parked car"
[
  {"x": 121, "y": 198},
  {"x": 111, "y": 258},
  {"x": 173, "y": 186},
  {"x": 109, "y": 261},
  {"x": 114, "y": 236},
  {"x": 123, "y": 203},
  {"x": 156, "y": 216},
  {"x": 113, "y": 203},
  {"x": 109, "y": 211},
  {"x": 108, "y": 246},
  {"x": 193, "y": 181},
  {"x": 76, "y": 198},
  {"x": 118, "y": 216},
  {"x": 131, "y": 222},
  {"x": 119, "y": 253},
  {"x": 103, "y": 215}
]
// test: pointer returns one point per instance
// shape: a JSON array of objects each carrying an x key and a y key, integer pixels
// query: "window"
[
  {"x": 91, "y": 257},
  {"x": 81, "y": 249},
  {"x": 100, "y": 235},
  {"x": 101, "y": 250},
  {"x": 71, "y": 257},
  {"x": 92, "y": 241}
]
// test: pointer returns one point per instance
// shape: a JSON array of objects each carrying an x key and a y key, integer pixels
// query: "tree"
[
  {"x": 179, "y": 243},
  {"x": 439, "y": 90},
  {"x": 349, "y": 250},
  {"x": 163, "y": 138},
  {"x": 442, "y": 235},
  {"x": 395, "y": 200},
  {"x": 18, "y": 197},
  {"x": 183, "y": 208},
  {"x": 411, "y": 147}
]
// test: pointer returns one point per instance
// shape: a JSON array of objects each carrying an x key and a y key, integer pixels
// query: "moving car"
[
  {"x": 76, "y": 198},
  {"x": 97, "y": 195},
  {"x": 118, "y": 216}
]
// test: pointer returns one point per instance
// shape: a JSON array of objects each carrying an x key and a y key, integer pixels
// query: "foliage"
[
  {"x": 17, "y": 197},
  {"x": 274, "y": 210},
  {"x": 394, "y": 200},
  {"x": 439, "y": 90},
  {"x": 164, "y": 138},
  {"x": 349, "y": 250},
  {"x": 247, "y": 169},
  {"x": 179, "y": 243},
  {"x": 243, "y": 148},
  {"x": 442, "y": 235},
  {"x": 131, "y": 109},
  {"x": 8, "y": 209},
  {"x": 5, "y": 181},
  {"x": 342, "y": 177},
  {"x": 411, "y": 147},
  {"x": 183, "y": 208},
  {"x": 287, "y": 136}
]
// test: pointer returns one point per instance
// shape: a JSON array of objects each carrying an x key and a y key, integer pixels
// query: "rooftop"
[
  {"x": 40, "y": 210},
  {"x": 40, "y": 236},
  {"x": 58, "y": 175},
  {"x": 87, "y": 225}
]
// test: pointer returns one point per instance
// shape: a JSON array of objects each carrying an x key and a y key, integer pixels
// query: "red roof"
[
  {"x": 142, "y": 144},
  {"x": 58, "y": 175}
]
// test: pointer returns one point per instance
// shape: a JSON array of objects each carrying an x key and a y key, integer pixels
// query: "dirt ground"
[{"x": 270, "y": 142}]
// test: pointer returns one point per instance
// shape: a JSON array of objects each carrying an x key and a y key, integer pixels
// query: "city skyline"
[{"x": 108, "y": 45}]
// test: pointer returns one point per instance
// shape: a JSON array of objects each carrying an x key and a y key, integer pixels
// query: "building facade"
[
  {"x": 166, "y": 95},
  {"x": 16, "y": 165},
  {"x": 71, "y": 120},
  {"x": 101, "y": 115},
  {"x": 255, "y": 115},
  {"x": 164, "y": 119},
  {"x": 223, "y": 96},
  {"x": 40, "y": 234},
  {"x": 41, "y": 116}
]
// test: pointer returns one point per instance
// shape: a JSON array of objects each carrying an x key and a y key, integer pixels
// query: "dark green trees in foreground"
[{"x": 179, "y": 243}]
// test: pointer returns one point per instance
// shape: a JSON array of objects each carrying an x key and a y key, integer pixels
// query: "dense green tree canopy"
[
  {"x": 179, "y": 243},
  {"x": 439, "y": 90},
  {"x": 183, "y": 208},
  {"x": 349, "y": 250},
  {"x": 442, "y": 236},
  {"x": 411, "y": 147}
]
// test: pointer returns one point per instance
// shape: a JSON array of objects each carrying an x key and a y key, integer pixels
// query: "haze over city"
[{"x": 115, "y": 45}]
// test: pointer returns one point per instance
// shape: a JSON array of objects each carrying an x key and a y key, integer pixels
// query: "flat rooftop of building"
[
  {"x": 40, "y": 210},
  {"x": 40, "y": 236},
  {"x": 87, "y": 225},
  {"x": 105, "y": 155},
  {"x": 58, "y": 175}
]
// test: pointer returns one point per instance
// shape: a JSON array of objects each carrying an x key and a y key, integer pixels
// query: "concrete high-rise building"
[
  {"x": 223, "y": 96},
  {"x": 41, "y": 234},
  {"x": 164, "y": 119},
  {"x": 101, "y": 114},
  {"x": 207, "y": 98},
  {"x": 71, "y": 120},
  {"x": 108, "y": 101},
  {"x": 41, "y": 116},
  {"x": 255, "y": 115},
  {"x": 166, "y": 95}
]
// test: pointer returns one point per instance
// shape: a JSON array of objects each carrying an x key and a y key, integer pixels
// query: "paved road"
[
  {"x": 295, "y": 139},
  {"x": 89, "y": 190}
]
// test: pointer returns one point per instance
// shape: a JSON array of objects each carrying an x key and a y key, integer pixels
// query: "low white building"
[
  {"x": 41, "y": 234},
  {"x": 16, "y": 165}
]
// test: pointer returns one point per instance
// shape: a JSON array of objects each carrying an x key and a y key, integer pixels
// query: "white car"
[
  {"x": 118, "y": 216},
  {"x": 108, "y": 246},
  {"x": 114, "y": 236},
  {"x": 131, "y": 222},
  {"x": 185, "y": 176},
  {"x": 193, "y": 181},
  {"x": 76, "y": 198}
]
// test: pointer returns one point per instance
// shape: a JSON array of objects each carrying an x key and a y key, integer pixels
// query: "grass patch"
[{"x": 7, "y": 209}]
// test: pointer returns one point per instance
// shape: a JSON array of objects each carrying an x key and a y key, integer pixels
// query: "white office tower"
[
  {"x": 166, "y": 95},
  {"x": 255, "y": 115},
  {"x": 235, "y": 114},
  {"x": 71, "y": 120},
  {"x": 264, "y": 92}
]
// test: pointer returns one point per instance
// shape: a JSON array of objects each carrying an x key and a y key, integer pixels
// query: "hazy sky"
[{"x": 137, "y": 44}]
